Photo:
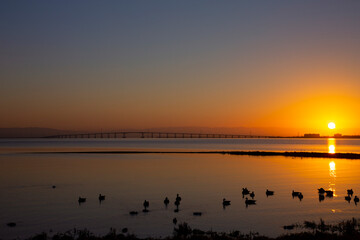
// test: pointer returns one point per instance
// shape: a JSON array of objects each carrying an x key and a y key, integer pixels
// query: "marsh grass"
[{"x": 345, "y": 230}]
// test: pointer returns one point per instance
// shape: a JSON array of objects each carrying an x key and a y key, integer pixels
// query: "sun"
[{"x": 331, "y": 125}]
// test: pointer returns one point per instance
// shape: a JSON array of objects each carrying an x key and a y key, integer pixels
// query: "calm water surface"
[
  {"x": 202, "y": 181},
  {"x": 280, "y": 144}
]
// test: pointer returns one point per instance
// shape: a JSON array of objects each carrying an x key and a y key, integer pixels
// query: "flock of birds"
[
  {"x": 322, "y": 194},
  {"x": 329, "y": 193},
  {"x": 177, "y": 202},
  {"x": 245, "y": 193}
]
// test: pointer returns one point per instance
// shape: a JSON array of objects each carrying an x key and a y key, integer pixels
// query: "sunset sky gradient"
[{"x": 91, "y": 65}]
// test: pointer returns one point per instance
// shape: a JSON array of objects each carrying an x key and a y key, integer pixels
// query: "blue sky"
[{"x": 65, "y": 63}]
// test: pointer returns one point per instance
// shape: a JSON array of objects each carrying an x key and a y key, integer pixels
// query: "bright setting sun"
[{"x": 331, "y": 125}]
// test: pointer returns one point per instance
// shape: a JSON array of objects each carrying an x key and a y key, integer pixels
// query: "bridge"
[{"x": 150, "y": 135}]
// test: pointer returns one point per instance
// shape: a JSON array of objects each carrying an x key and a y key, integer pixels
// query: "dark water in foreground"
[{"x": 202, "y": 180}]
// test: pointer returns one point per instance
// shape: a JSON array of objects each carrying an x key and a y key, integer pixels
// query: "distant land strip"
[{"x": 248, "y": 153}]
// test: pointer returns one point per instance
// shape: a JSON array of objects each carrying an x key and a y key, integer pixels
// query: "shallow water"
[{"x": 202, "y": 180}]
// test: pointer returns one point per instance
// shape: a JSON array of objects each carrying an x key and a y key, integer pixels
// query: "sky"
[{"x": 292, "y": 66}]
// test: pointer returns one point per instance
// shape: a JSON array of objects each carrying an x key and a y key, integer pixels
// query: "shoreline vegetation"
[
  {"x": 345, "y": 230},
  {"x": 248, "y": 153}
]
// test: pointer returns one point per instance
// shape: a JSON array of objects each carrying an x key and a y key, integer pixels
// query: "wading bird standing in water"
[
  {"x": 101, "y": 198},
  {"x": 166, "y": 201},
  {"x": 146, "y": 205}
]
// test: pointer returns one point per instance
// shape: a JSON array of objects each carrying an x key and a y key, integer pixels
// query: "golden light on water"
[
  {"x": 331, "y": 145},
  {"x": 332, "y": 166},
  {"x": 331, "y": 125},
  {"x": 332, "y": 173}
]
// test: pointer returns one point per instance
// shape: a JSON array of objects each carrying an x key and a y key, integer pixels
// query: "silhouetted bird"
[
  {"x": 250, "y": 202},
  {"x": 197, "y": 213},
  {"x": 269, "y": 193},
  {"x": 53, "y": 186},
  {"x": 178, "y": 198},
  {"x": 226, "y": 202},
  {"x": 300, "y": 196},
  {"x": 350, "y": 192},
  {"x": 321, "y": 197},
  {"x": 174, "y": 221},
  {"x": 356, "y": 199},
  {"x": 133, "y": 213},
  {"x": 177, "y": 203},
  {"x": 348, "y": 198},
  {"x": 245, "y": 191},
  {"x": 81, "y": 200},
  {"x": 124, "y": 230},
  {"x": 146, "y": 205},
  {"x": 321, "y": 190},
  {"x": 101, "y": 197},
  {"x": 166, "y": 201},
  {"x": 329, "y": 193},
  {"x": 295, "y": 194},
  {"x": 252, "y": 195}
]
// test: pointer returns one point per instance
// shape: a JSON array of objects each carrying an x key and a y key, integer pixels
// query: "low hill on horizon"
[{"x": 30, "y": 132}]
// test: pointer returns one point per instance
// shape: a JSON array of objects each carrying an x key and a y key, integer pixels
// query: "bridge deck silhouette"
[{"x": 151, "y": 135}]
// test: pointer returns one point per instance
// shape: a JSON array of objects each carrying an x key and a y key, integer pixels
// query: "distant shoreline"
[{"x": 246, "y": 153}]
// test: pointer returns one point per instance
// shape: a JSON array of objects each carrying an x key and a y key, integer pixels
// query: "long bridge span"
[{"x": 150, "y": 135}]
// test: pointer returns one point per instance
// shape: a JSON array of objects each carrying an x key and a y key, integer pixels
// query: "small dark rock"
[
  {"x": 289, "y": 227},
  {"x": 11, "y": 224},
  {"x": 198, "y": 232}
]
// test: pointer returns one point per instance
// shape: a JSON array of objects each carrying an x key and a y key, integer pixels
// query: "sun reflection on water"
[
  {"x": 332, "y": 173},
  {"x": 331, "y": 145},
  {"x": 332, "y": 169}
]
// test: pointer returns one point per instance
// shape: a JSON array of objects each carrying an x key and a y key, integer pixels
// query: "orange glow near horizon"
[
  {"x": 289, "y": 117},
  {"x": 313, "y": 114}
]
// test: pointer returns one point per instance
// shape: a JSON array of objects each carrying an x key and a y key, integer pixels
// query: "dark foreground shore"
[
  {"x": 346, "y": 230},
  {"x": 248, "y": 153}
]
